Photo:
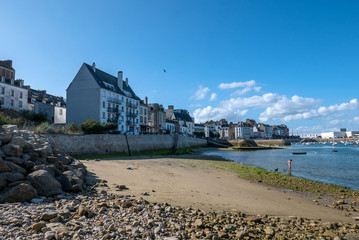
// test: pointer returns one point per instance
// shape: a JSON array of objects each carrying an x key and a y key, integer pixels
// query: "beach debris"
[{"x": 129, "y": 168}]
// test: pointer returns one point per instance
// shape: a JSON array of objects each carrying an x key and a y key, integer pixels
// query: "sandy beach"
[{"x": 187, "y": 182}]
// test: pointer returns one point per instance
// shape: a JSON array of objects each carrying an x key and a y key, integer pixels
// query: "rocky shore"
[
  {"x": 31, "y": 167},
  {"x": 44, "y": 195},
  {"x": 99, "y": 215}
]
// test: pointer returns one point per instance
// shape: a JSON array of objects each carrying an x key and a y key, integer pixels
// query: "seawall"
[{"x": 99, "y": 144}]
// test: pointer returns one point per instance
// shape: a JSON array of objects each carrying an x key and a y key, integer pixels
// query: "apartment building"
[
  {"x": 53, "y": 107},
  {"x": 13, "y": 93},
  {"x": 103, "y": 97},
  {"x": 156, "y": 117}
]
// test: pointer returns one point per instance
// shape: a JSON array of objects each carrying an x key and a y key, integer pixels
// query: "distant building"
[
  {"x": 341, "y": 134},
  {"x": 105, "y": 98},
  {"x": 171, "y": 126},
  {"x": 156, "y": 117},
  {"x": 53, "y": 107},
  {"x": 267, "y": 130},
  {"x": 280, "y": 131},
  {"x": 144, "y": 127},
  {"x": 185, "y": 121},
  {"x": 199, "y": 129},
  {"x": 224, "y": 132},
  {"x": 311, "y": 135},
  {"x": 13, "y": 93},
  {"x": 243, "y": 131}
]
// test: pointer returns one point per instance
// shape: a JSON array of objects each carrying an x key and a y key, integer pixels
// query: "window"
[
  {"x": 11, "y": 103},
  {"x": 2, "y": 100},
  {"x": 20, "y": 94},
  {"x": 145, "y": 111},
  {"x": 104, "y": 104},
  {"x": 103, "y": 115},
  {"x": 12, "y": 93},
  {"x": 109, "y": 104},
  {"x": 20, "y": 104},
  {"x": 2, "y": 90},
  {"x": 60, "y": 112}
]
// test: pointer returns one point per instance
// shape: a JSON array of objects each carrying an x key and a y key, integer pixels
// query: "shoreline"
[{"x": 193, "y": 181}]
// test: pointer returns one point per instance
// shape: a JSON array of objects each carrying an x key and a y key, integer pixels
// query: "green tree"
[{"x": 110, "y": 126}]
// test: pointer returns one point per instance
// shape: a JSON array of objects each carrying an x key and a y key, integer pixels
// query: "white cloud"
[
  {"x": 237, "y": 84},
  {"x": 240, "y": 92},
  {"x": 210, "y": 113},
  {"x": 201, "y": 93},
  {"x": 356, "y": 119},
  {"x": 257, "y": 89},
  {"x": 287, "y": 112},
  {"x": 289, "y": 109},
  {"x": 213, "y": 97}
]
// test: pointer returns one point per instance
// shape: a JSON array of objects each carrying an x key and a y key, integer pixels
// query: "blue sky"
[{"x": 292, "y": 62}]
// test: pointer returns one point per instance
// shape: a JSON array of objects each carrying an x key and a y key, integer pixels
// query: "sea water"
[{"x": 319, "y": 164}]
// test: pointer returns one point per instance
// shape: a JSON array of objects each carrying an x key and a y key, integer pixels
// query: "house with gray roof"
[
  {"x": 185, "y": 121},
  {"x": 13, "y": 93},
  {"x": 103, "y": 97}
]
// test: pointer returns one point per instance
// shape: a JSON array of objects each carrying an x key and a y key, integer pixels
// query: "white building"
[
  {"x": 105, "y": 98},
  {"x": 13, "y": 94},
  {"x": 170, "y": 126},
  {"x": 311, "y": 135},
  {"x": 328, "y": 135},
  {"x": 243, "y": 131}
]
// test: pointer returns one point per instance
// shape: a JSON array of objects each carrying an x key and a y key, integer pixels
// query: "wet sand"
[{"x": 187, "y": 182}]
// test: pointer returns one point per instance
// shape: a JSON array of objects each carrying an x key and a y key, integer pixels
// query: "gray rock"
[
  {"x": 4, "y": 138},
  {"x": 13, "y": 176},
  {"x": 70, "y": 182},
  {"x": 16, "y": 160},
  {"x": 2, "y": 181},
  {"x": 65, "y": 159},
  {"x": 16, "y": 168},
  {"x": 4, "y": 167},
  {"x": 44, "y": 183},
  {"x": 18, "y": 140},
  {"x": 9, "y": 127},
  {"x": 20, "y": 193},
  {"x": 12, "y": 150}
]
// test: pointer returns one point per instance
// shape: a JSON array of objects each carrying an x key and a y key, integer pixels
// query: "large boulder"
[
  {"x": 16, "y": 168},
  {"x": 12, "y": 150},
  {"x": 44, "y": 183},
  {"x": 20, "y": 193},
  {"x": 2, "y": 182},
  {"x": 13, "y": 176},
  {"x": 71, "y": 182}
]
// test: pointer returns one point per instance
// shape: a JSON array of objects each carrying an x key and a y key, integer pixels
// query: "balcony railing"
[
  {"x": 114, "y": 100},
  {"x": 132, "y": 115},
  {"x": 114, "y": 110},
  {"x": 131, "y": 105},
  {"x": 114, "y": 120},
  {"x": 130, "y": 123}
]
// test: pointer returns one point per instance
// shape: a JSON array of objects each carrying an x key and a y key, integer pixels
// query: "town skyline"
[{"x": 217, "y": 63}]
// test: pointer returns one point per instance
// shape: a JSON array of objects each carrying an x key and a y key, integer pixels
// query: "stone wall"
[{"x": 98, "y": 144}]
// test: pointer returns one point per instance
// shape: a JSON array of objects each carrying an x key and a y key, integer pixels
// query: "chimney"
[
  {"x": 12, "y": 82},
  {"x": 170, "y": 107},
  {"x": 119, "y": 80},
  {"x": 146, "y": 100},
  {"x": 127, "y": 81},
  {"x": 21, "y": 83},
  {"x": 8, "y": 62},
  {"x": 94, "y": 67}
]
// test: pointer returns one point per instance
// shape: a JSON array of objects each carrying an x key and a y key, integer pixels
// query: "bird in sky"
[{"x": 164, "y": 70}]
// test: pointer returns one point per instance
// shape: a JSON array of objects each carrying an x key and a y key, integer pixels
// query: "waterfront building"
[
  {"x": 267, "y": 130},
  {"x": 199, "y": 129},
  {"x": 156, "y": 117},
  {"x": 279, "y": 131},
  {"x": 183, "y": 117},
  {"x": 13, "y": 93},
  {"x": 103, "y": 97},
  {"x": 53, "y": 107},
  {"x": 171, "y": 126},
  {"x": 243, "y": 130},
  {"x": 224, "y": 131},
  {"x": 144, "y": 127},
  {"x": 311, "y": 135}
]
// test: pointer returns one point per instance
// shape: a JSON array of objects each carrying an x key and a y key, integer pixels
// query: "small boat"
[
  {"x": 299, "y": 153},
  {"x": 334, "y": 150}
]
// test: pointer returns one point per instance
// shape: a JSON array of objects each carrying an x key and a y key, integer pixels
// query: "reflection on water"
[{"x": 319, "y": 164}]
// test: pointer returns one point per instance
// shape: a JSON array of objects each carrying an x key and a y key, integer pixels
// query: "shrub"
[
  {"x": 42, "y": 128},
  {"x": 110, "y": 126},
  {"x": 73, "y": 128},
  {"x": 90, "y": 126},
  {"x": 35, "y": 117}
]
